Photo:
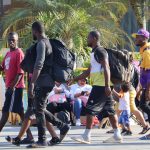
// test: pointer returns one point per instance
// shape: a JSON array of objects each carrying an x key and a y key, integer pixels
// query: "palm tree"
[
  {"x": 139, "y": 8},
  {"x": 70, "y": 21}
]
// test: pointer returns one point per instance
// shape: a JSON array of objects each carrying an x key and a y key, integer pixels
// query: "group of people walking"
[{"x": 100, "y": 96}]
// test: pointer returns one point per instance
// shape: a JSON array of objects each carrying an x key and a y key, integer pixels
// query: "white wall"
[{"x": 6, "y": 2}]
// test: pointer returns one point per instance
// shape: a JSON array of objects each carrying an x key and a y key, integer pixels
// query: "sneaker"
[
  {"x": 64, "y": 131},
  {"x": 16, "y": 141},
  {"x": 27, "y": 141},
  {"x": 8, "y": 139},
  {"x": 110, "y": 131},
  {"x": 82, "y": 139},
  {"x": 78, "y": 123},
  {"x": 54, "y": 141},
  {"x": 38, "y": 144},
  {"x": 145, "y": 130},
  {"x": 127, "y": 133},
  {"x": 123, "y": 131},
  {"x": 113, "y": 140},
  {"x": 146, "y": 137}
]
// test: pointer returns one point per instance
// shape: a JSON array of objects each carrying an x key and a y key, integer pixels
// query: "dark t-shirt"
[
  {"x": 100, "y": 54},
  {"x": 43, "y": 51}
]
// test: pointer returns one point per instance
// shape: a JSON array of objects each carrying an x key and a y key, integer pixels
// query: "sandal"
[{"x": 145, "y": 130}]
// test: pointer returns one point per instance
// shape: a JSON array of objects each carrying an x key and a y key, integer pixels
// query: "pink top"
[{"x": 11, "y": 66}]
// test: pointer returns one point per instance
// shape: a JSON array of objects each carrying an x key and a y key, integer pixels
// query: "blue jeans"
[{"x": 77, "y": 108}]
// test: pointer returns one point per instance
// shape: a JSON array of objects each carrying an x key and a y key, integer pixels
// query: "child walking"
[{"x": 124, "y": 107}]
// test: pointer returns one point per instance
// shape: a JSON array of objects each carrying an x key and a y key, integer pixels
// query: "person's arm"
[
  {"x": 20, "y": 72},
  {"x": 16, "y": 81},
  {"x": 103, "y": 59},
  {"x": 40, "y": 50},
  {"x": 40, "y": 58},
  {"x": 116, "y": 93},
  {"x": 106, "y": 68},
  {"x": 82, "y": 76}
]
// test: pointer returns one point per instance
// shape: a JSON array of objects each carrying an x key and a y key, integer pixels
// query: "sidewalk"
[{"x": 98, "y": 135}]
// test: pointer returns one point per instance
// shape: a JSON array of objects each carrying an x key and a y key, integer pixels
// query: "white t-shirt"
[
  {"x": 74, "y": 89},
  {"x": 124, "y": 101},
  {"x": 62, "y": 87}
]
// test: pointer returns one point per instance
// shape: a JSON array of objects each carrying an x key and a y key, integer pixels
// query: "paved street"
[{"x": 98, "y": 135}]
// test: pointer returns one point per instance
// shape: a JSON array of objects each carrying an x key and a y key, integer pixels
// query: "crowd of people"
[{"x": 47, "y": 97}]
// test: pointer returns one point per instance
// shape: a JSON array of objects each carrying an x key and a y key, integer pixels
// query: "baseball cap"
[{"x": 142, "y": 32}]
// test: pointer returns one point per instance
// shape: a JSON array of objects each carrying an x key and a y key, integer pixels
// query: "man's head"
[
  {"x": 141, "y": 37},
  {"x": 13, "y": 40},
  {"x": 82, "y": 82},
  {"x": 93, "y": 38},
  {"x": 37, "y": 29}
]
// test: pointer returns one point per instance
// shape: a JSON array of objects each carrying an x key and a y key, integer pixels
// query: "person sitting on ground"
[
  {"x": 58, "y": 94},
  {"x": 79, "y": 94},
  {"x": 57, "y": 100},
  {"x": 124, "y": 107}
]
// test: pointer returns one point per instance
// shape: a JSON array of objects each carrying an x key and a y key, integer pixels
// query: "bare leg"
[
  {"x": 114, "y": 121},
  {"x": 51, "y": 129},
  {"x": 128, "y": 127},
  {"x": 89, "y": 121},
  {"x": 140, "y": 117},
  {"x": 26, "y": 126}
]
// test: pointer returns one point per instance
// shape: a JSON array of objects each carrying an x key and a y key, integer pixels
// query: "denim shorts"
[{"x": 124, "y": 117}]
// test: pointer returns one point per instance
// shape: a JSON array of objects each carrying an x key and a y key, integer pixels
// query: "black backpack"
[
  {"x": 63, "y": 61},
  {"x": 29, "y": 60},
  {"x": 119, "y": 65}
]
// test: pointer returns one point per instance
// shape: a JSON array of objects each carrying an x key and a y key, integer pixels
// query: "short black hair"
[
  {"x": 125, "y": 87},
  {"x": 38, "y": 26},
  {"x": 95, "y": 34},
  {"x": 13, "y": 33}
]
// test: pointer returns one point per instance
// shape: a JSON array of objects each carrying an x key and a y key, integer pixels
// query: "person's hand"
[
  {"x": 87, "y": 93},
  {"x": 107, "y": 91},
  {"x": 55, "y": 91},
  {"x": 77, "y": 95},
  {"x": 147, "y": 95},
  {"x": 31, "y": 90},
  {"x": 70, "y": 82},
  {"x": 12, "y": 86}
]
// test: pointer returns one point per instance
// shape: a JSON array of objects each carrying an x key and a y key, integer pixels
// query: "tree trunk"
[{"x": 139, "y": 7}]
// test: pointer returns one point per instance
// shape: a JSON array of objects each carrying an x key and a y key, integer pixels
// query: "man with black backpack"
[
  {"x": 100, "y": 98},
  {"x": 41, "y": 84}
]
